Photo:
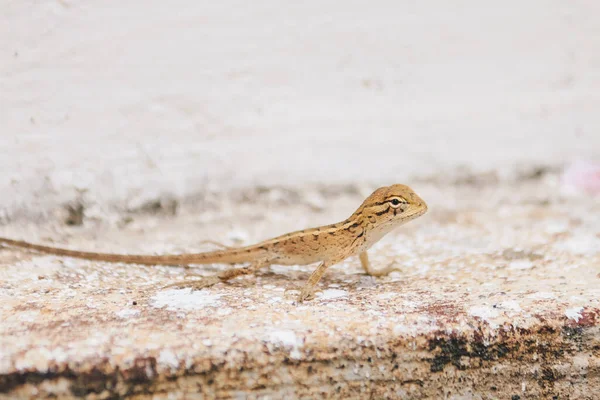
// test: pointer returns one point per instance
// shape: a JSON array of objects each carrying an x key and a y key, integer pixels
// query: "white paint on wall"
[{"x": 141, "y": 98}]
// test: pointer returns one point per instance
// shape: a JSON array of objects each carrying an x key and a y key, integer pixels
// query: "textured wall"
[{"x": 139, "y": 98}]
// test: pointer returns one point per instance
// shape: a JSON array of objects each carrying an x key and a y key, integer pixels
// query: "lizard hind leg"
[
  {"x": 195, "y": 284},
  {"x": 217, "y": 244},
  {"x": 224, "y": 276}
]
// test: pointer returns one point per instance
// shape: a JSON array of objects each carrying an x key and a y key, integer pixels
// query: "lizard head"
[{"x": 392, "y": 205}]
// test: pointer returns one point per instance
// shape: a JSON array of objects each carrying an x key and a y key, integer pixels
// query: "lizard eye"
[{"x": 396, "y": 201}]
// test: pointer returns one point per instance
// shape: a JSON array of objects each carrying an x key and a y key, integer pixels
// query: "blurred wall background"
[{"x": 141, "y": 98}]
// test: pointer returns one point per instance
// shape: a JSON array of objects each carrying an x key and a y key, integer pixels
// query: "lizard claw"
[
  {"x": 195, "y": 284},
  {"x": 305, "y": 294}
]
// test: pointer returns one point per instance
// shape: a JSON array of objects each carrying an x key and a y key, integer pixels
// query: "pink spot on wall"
[{"x": 583, "y": 176}]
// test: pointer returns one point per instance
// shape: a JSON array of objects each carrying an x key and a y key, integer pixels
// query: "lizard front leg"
[
  {"x": 364, "y": 261},
  {"x": 220, "y": 277},
  {"x": 308, "y": 289}
]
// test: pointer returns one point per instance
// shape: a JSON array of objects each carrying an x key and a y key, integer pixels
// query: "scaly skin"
[{"x": 385, "y": 209}]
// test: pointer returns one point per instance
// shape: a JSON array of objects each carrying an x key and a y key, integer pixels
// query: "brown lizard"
[{"x": 385, "y": 209}]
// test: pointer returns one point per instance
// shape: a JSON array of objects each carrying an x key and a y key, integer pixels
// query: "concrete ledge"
[
  {"x": 523, "y": 363},
  {"x": 538, "y": 362},
  {"x": 498, "y": 298}
]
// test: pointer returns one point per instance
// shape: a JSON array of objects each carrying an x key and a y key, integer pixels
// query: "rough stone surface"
[{"x": 499, "y": 297}]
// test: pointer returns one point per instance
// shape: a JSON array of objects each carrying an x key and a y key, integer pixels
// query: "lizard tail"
[{"x": 234, "y": 255}]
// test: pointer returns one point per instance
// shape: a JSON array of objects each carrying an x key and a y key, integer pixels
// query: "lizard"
[{"x": 385, "y": 209}]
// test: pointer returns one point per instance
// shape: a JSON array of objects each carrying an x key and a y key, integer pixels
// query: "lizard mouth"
[{"x": 415, "y": 214}]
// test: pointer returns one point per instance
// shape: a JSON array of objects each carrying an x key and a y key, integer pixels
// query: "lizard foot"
[
  {"x": 295, "y": 293},
  {"x": 386, "y": 271},
  {"x": 196, "y": 284},
  {"x": 306, "y": 294}
]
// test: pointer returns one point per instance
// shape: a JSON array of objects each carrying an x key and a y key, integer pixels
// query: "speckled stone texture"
[{"x": 498, "y": 298}]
